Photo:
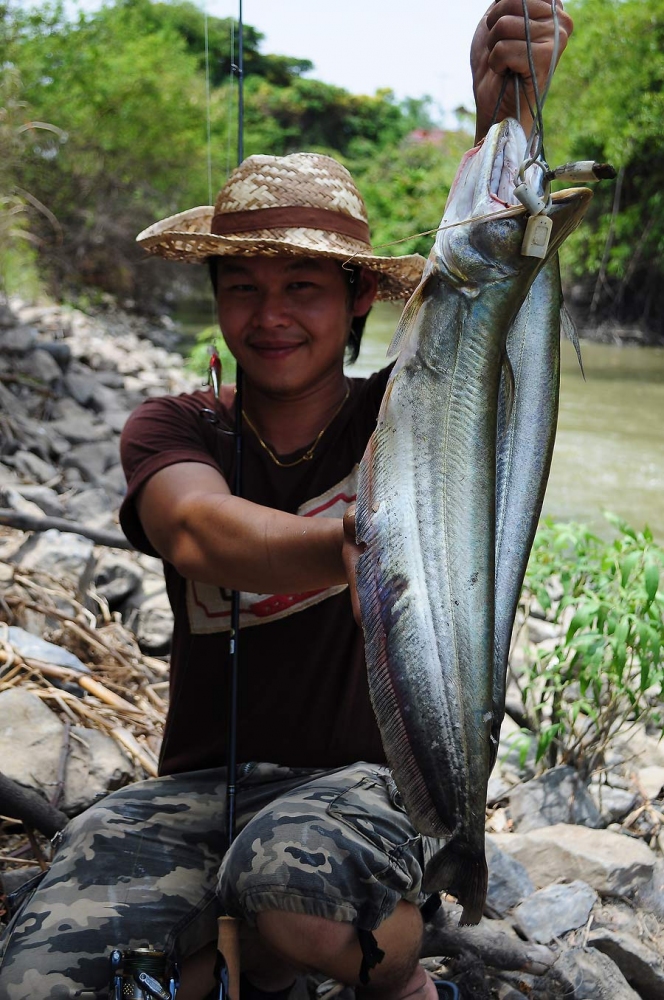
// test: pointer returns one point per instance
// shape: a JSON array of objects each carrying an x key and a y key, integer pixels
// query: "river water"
[{"x": 609, "y": 452}]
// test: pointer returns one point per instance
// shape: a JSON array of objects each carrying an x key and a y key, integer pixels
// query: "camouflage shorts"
[{"x": 143, "y": 868}]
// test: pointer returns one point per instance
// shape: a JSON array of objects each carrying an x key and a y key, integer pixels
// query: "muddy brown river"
[{"x": 609, "y": 452}]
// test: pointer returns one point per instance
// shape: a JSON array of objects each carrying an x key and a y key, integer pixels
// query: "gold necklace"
[{"x": 309, "y": 453}]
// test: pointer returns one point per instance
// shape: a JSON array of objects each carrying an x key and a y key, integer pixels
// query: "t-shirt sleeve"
[{"x": 160, "y": 432}]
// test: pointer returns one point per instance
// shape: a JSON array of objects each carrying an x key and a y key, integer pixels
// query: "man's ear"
[{"x": 366, "y": 292}]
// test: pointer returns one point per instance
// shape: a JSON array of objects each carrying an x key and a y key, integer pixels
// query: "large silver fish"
[
  {"x": 426, "y": 511},
  {"x": 527, "y": 419}
]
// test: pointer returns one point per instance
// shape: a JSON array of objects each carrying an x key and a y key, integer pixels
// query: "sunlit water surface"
[{"x": 609, "y": 452}]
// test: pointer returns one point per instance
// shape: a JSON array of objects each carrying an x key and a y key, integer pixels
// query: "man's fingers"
[
  {"x": 349, "y": 522},
  {"x": 538, "y": 10},
  {"x": 504, "y": 56}
]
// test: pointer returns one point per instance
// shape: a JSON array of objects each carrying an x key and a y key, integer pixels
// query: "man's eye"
[
  {"x": 240, "y": 287},
  {"x": 299, "y": 285}
]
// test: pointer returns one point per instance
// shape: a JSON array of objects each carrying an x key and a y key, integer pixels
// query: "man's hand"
[
  {"x": 499, "y": 46},
  {"x": 350, "y": 553}
]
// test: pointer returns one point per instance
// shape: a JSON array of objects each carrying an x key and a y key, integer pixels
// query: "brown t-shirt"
[{"x": 303, "y": 698}]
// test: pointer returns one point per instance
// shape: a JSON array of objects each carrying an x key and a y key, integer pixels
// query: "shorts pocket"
[{"x": 376, "y": 825}]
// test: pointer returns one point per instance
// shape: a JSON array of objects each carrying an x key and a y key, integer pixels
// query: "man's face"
[{"x": 286, "y": 319}]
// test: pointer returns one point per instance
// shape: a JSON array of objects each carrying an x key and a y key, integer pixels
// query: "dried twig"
[{"x": 28, "y": 522}]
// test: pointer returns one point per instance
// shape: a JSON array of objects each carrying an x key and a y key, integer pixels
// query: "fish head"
[{"x": 482, "y": 229}]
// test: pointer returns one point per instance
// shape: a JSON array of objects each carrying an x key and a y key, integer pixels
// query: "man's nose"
[{"x": 271, "y": 310}]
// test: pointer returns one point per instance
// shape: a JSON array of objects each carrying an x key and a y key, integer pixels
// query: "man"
[{"x": 325, "y": 873}]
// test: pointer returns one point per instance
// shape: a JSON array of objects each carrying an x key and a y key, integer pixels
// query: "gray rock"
[
  {"x": 27, "y": 464},
  {"x": 153, "y": 627},
  {"x": 18, "y": 339},
  {"x": 93, "y": 460},
  {"x": 78, "y": 431},
  {"x": 114, "y": 482},
  {"x": 81, "y": 387},
  {"x": 7, "y": 316},
  {"x": 45, "y": 498},
  {"x": 509, "y": 881},
  {"x": 31, "y": 743},
  {"x": 33, "y": 647},
  {"x": 642, "y": 967},
  {"x": 116, "y": 419},
  {"x": 498, "y": 789},
  {"x": 539, "y": 630},
  {"x": 11, "y": 499},
  {"x": 59, "y": 351},
  {"x": 553, "y": 911},
  {"x": 92, "y": 507},
  {"x": 650, "y": 895},
  {"x": 68, "y": 558},
  {"x": 30, "y": 740},
  {"x": 40, "y": 365},
  {"x": 651, "y": 780},
  {"x": 586, "y": 974},
  {"x": 95, "y": 766},
  {"x": 614, "y": 803},
  {"x": 611, "y": 863},
  {"x": 115, "y": 579},
  {"x": 558, "y": 796}
]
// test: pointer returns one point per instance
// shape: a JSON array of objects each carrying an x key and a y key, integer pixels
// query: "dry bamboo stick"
[{"x": 144, "y": 756}]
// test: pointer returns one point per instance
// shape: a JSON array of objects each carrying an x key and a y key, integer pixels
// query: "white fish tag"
[{"x": 536, "y": 237}]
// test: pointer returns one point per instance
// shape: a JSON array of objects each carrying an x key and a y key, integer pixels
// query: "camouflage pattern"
[{"x": 140, "y": 869}]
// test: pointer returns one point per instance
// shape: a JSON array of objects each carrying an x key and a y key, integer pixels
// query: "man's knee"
[{"x": 334, "y": 948}]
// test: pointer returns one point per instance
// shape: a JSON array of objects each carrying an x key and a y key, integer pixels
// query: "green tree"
[{"x": 607, "y": 103}]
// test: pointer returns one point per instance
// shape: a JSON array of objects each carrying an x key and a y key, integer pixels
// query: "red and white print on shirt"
[{"x": 209, "y": 607}]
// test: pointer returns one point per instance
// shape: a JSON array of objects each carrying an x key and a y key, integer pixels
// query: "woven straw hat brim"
[{"x": 187, "y": 237}]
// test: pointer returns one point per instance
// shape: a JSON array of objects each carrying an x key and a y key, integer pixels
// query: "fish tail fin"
[{"x": 462, "y": 871}]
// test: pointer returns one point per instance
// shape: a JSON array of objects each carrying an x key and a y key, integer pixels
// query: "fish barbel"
[{"x": 426, "y": 510}]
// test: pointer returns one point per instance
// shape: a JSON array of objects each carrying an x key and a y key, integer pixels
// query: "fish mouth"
[
  {"x": 483, "y": 193},
  {"x": 488, "y": 174}
]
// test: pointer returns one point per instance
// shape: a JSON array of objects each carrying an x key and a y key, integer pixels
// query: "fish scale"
[{"x": 426, "y": 516}]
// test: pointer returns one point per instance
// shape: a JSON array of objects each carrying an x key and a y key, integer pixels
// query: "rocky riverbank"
[{"x": 576, "y": 893}]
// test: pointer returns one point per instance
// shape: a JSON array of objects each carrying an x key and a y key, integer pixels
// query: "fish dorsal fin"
[
  {"x": 408, "y": 320},
  {"x": 568, "y": 327}
]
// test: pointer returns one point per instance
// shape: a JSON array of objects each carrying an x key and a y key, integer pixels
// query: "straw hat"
[{"x": 304, "y": 204}]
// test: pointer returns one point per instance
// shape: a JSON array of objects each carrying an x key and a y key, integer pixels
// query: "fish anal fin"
[
  {"x": 461, "y": 871},
  {"x": 408, "y": 321}
]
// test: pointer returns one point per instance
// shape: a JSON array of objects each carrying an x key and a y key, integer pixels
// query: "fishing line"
[
  {"x": 231, "y": 84},
  {"x": 507, "y": 213},
  {"x": 207, "y": 107}
]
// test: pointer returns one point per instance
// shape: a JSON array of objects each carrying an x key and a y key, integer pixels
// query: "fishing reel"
[{"x": 143, "y": 974}]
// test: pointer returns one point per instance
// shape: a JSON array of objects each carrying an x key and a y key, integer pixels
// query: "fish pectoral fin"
[
  {"x": 568, "y": 327},
  {"x": 462, "y": 871},
  {"x": 408, "y": 321},
  {"x": 507, "y": 387}
]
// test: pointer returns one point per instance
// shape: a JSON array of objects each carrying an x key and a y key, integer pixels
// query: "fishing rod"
[{"x": 228, "y": 946}]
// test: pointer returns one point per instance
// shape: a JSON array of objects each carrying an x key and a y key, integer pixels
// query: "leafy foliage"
[
  {"x": 607, "y": 103},
  {"x": 126, "y": 88},
  {"x": 605, "y": 670}
]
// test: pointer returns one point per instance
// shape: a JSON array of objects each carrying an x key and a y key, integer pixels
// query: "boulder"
[
  {"x": 66, "y": 557},
  {"x": 641, "y": 966},
  {"x": 558, "y": 796},
  {"x": 611, "y": 863},
  {"x": 553, "y": 911},
  {"x": 31, "y": 743},
  {"x": 509, "y": 881},
  {"x": 586, "y": 974}
]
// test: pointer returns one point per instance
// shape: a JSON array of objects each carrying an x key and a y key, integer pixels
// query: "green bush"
[{"x": 604, "y": 672}]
